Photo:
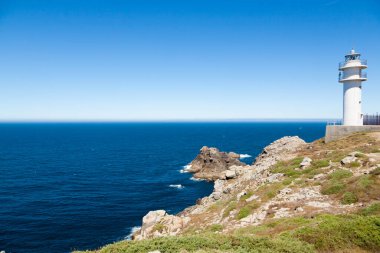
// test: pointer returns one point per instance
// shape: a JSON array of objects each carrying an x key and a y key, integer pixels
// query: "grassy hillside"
[{"x": 350, "y": 224}]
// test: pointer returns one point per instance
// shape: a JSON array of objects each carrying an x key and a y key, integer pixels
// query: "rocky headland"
[{"x": 290, "y": 197}]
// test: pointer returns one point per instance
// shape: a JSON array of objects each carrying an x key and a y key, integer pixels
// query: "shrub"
[
  {"x": 320, "y": 163},
  {"x": 210, "y": 242},
  {"x": 364, "y": 182},
  {"x": 243, "y": 212},
  {"x": 342, "y": 232},
  {"x": 216, "y": 227},
  {"x": 355, "y": 164},
  {"x": 288, "y": 167},
  {"x": 332, "y": 187},
  {"x": 373, "y": 209},
  {"x": 360, "y": 155},
  {"x": 375, "y": 172},
  {"x": 349, "y": 198},
  {"x": 158, "y": 227},
  {"x": 229, "y": 208},
  {"x": 246, "y": 196},
  {"x": 287, "y": 181},
  {"x": 340, "y": 174}
]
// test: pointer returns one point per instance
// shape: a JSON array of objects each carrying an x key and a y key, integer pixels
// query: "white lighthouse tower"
[{"x": 352, "y": 76}]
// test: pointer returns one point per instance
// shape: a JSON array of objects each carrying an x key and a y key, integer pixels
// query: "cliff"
[{"x": 288, "y": 200}]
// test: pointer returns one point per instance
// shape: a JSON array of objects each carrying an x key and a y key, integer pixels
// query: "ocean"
[{"x": 66, "y": 186}]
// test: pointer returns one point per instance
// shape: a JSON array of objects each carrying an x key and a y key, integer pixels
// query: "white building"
[{"x": 352, "y": 76}]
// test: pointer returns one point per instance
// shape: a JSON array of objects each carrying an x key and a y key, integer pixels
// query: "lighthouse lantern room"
[{"x": 352, "y": 76}]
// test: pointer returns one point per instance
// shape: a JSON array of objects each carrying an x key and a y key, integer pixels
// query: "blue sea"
[{"x": 66, "y": 186}]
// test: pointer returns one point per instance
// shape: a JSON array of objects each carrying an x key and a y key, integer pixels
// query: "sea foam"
[
  {"x": 196, "y": 179},
  {"x": 178, "y": 186},
  {"x": 132, "y": 231},
  {"x": 185, "y": 169}
]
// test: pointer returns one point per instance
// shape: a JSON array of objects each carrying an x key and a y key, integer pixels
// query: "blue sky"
[{"x": 114, "y": 60}]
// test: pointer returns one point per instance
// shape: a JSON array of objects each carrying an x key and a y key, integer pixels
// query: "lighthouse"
[{"x": 351, "y": 75}]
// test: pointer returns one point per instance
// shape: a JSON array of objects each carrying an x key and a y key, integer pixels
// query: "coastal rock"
[
  {"x": 281, "y": 149},
  {"x": 159, "y": 223},
  {"x": 212, "y": 164},
  {"x": 306, "y": 162},
  {"x": 348, "y": 160}
]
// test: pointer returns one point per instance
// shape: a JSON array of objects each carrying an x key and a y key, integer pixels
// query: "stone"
[
  {"x": 318, "y": 204},
  {"x": 230, "y": 174},
  {"x": 306, "y": 162},
  {"x": 167, "y": 224},
  {"x": 234, "y": 155},
  {"x": 212, "y": 164},
  {"x": 253, "y": 197},
  {"x": 348, "y": 160}
]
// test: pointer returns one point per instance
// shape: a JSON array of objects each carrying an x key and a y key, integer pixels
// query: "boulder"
[
  {"x": 212, "y": 164},
  {"x": 348, "y": 160},
  {"x": 278, "y": 150},
  {"x": 159, "y": 223},
  {"x": 306, "y": 162},
  {"x": 230, "y": 174}
]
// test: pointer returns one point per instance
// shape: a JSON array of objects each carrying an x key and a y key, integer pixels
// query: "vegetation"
[
  {"x": 359, "y": 232},
  {"x": 373, "y": 209},
  {"x": 246, "y": 210},
  {"x": 349, "y": 198},
  {"x": 232, "y": 206},
  {"x": 325, "y": 233},
  {"x": 340, "y": 174}
]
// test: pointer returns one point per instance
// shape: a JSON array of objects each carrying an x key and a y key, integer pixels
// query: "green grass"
[
  {"x": 332, "y": 187},
  {"x": 349, "y": 198},
  {"x": 246, "y": 210},
  {"x": 320, "y": 163},
  {"x": 373, "y": 209},
  {"x": 375, "y": 172},
  {"x": 355, "y": 164},
  {"x": 158, "y": 227},
  {"x": 342, "y": 232},
  {"x": 246, "y": 196},
  {"x": 340, "y": 174},
  {"x": 215, "y": 227},
  {"x": 365, "y": 182},
  {"x": 210, "y": 243},
  {"x": 231, "y": 206},
  {"x": 288, "y": 167},
  {"x": 324, "y": 233},
  {"x": 243, "y": 212}
]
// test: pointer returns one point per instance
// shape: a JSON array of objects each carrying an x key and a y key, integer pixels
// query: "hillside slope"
[{"x": 296, "y": 197}]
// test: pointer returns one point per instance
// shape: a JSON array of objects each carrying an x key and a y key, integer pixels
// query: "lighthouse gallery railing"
[{"x": 373, "y": 119}]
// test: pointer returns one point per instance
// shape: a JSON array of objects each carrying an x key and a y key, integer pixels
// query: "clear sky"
[{"x": 117, "y": 60}]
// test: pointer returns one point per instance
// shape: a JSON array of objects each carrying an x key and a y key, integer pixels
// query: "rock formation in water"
[{"x": 211, "y": 164}]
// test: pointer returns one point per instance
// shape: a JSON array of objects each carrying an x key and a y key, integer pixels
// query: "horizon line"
[{"x": 177, "y": 120}]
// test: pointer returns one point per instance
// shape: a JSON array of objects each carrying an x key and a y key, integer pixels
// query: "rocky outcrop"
[
  {"x": 159, "y": 223},
  {"x": 211, "y": 164},
  {"x": 232, "y": 179},
  {"x": 281, "y": 149}
]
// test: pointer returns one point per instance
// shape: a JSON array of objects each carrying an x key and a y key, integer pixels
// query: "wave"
[
  {"x": 178, "y": 186},
  {"x": 243, "y": 156},
  {"x": 185, "y": 169},
  {"x": 196, "y": 179},
  {"x": 132, "y": 231}
]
